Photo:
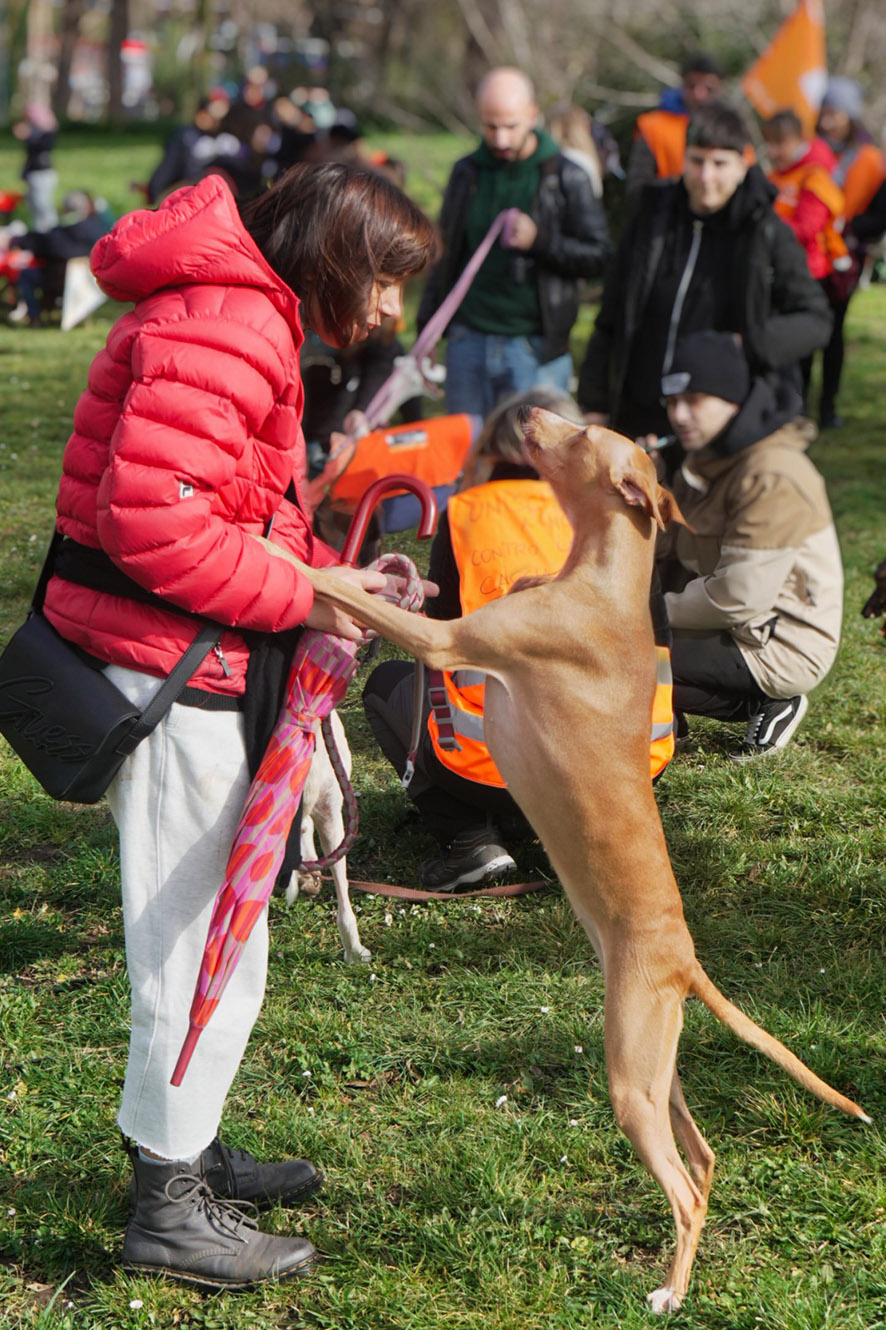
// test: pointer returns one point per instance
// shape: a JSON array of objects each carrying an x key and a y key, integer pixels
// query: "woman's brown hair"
[{"x": 331, "y": 231}]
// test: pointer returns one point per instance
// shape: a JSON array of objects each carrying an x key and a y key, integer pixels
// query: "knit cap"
[
  {"x": 844, "y": 94},
  {"x": 708, "y": 362}
]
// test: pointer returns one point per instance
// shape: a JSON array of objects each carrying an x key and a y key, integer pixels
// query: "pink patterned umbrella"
[{"x": 322, "y": 667}]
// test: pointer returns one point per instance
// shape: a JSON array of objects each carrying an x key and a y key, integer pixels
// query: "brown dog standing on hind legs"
[{"x": 571, "y": 675}]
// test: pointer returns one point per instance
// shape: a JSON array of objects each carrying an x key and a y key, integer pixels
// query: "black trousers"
[
  {"x": 448, "y": 803},
  {"x": 711, "y": 677},
  {"x": 832, "y": 358}
]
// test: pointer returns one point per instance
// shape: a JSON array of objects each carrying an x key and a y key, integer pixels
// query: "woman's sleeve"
[{"x": 203, "y": 390}]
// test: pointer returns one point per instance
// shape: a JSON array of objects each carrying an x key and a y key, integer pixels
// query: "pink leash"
[{"x": 382, "y": 405}]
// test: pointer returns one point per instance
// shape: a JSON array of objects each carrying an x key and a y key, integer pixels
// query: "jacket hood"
[{"x": 195, "y": 237}]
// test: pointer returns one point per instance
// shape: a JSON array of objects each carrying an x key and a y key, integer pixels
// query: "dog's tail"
[{"x": 758, "y": 1038}]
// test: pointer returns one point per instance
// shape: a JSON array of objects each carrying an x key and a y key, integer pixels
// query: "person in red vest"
[
  {"x": 660, "y": 135},
  {"x": 808, "y": 198},
  {"x": 812, "y": 204},
  {"x": 505, "y": 524}
]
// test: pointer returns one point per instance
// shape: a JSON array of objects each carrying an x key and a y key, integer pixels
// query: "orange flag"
[{"x": 791, "y": 74}]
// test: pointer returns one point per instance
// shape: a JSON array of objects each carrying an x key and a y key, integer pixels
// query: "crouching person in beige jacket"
[{"x": 754, "y": 589}]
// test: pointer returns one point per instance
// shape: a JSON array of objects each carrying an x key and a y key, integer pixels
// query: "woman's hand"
[
  {"x": 355, "y": 424},
  {"x": 328, "y": 618}
]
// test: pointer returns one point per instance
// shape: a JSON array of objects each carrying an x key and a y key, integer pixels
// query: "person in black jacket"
[
  {"x": 511, "y": 331},
  {"x": 82, "y": 224},
  {"x": 703, "y": 253},
  {"x": 38, "y": 130}
]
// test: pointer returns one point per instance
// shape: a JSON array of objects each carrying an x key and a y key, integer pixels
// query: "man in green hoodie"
[{"x": 511, "y": 331}]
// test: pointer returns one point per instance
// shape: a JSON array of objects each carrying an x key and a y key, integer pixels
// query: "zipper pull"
[{"x": 226, "y": 669}]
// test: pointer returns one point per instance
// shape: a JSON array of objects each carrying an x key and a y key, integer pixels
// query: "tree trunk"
[
  {"x": 72, "y": 12},
  {"x": 118, "y": 30}
]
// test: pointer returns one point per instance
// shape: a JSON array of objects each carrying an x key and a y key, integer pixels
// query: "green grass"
[
  {"x": 107, "y": 169},
  {"x": 440, "y": 1209}
]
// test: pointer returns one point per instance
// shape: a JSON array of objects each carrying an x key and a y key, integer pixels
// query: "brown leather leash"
[{"x": 413, "y": 894}]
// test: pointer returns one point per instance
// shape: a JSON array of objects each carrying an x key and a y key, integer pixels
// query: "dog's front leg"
[
  {"x": 431, "y": 640},
  {"x": 440, "y": 643}
]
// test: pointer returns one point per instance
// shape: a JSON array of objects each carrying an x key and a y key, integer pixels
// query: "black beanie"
[
  {"x": 701, "y": 63},
  {"x": 708, "y": 362}
]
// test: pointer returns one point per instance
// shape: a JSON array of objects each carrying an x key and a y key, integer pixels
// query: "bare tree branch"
[
  {"x": 514, "y": 22},
  {"x": 618, "y": 97},
  {"x": 480, "y": 31},
  {"x": 662, "y": 70}
]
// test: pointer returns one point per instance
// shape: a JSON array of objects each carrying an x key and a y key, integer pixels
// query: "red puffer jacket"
[{"x": 185, "y": 442}]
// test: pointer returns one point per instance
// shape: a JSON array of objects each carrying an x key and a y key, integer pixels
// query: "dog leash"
[
  {"x": 383, "y": 404},
  {"x": 413, "y": 894},
  {"x": 410, "y": 598}
]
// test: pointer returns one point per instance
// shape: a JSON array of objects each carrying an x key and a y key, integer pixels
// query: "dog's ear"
[
  {"x": 641, "y": 490},
  {"x": 638, "y": 489},
  {"x": 670, "y": 509}
]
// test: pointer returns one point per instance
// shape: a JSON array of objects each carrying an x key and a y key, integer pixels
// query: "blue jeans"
[{"x": 482, "y": 368}]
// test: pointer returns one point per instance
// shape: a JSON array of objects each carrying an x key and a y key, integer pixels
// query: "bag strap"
[
  {"x": 174, "y": 684},
  {"x": 46, "y": 572}
]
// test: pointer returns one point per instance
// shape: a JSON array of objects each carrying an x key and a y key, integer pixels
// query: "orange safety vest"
[
  {"x": 860, "y": 171},
  {"x": 829, "y": 242},
  {"x": 665, "y": 136},
  {"x": 501, "y": 531},
  {"x": 434, "y": 450}
]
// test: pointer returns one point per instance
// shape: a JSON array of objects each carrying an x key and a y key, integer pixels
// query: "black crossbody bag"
[{"x": 67, "y": 722}]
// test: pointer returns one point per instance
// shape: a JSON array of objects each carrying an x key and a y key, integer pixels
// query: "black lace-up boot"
[
  {"x": 235, "y": 1175},
  {"x": 181, "y": 1229}
]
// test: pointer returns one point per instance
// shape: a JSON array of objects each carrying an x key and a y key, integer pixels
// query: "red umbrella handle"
[{"x": 378, "y": 488}]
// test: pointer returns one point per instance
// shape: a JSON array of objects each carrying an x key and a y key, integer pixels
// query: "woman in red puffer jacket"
[{"x": 187, "y": 445}]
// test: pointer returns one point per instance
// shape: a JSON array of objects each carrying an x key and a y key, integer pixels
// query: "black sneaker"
[
  {"x": 772, "y": 727},
  {"x": 681, "y": 732},
  {"x": 473, "y": 857}
]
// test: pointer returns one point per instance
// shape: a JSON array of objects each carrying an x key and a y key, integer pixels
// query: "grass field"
[
  {"x": 446, "y": 1207},
  {"x": 108, "y": 166}
]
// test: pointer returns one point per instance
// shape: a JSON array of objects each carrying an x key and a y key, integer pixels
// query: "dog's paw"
[
  {"x": 357, "y": 955},
  {"x": 664, "y": 1300},
  {"x": 302, "y": 884}
]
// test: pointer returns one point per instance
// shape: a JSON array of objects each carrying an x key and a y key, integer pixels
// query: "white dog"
[{"x": 322, "y": 809}]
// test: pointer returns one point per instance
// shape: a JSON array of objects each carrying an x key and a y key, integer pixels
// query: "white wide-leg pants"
[{"x": 176, "y": 802}]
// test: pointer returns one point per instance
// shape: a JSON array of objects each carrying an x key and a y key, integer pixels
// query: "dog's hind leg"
[
  {"x": 355, "y": 952},
  {"x": 642, "y": 1031},
  {"x": 696, "y": 1151}
]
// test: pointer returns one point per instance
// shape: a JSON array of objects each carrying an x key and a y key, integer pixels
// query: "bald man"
[{"x": 511, "y": 331}]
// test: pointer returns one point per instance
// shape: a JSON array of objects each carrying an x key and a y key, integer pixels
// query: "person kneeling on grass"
[
  {"x": 504, "y": 524},
  {"x": 754, "y": 587}
]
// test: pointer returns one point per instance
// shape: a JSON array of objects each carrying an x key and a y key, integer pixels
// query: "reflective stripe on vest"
[{"x": 662, "y": 739}]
